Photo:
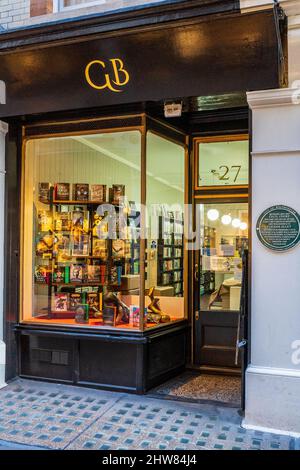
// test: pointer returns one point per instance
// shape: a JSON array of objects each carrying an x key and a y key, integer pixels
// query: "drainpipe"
[{"x": 3, "y": 131}]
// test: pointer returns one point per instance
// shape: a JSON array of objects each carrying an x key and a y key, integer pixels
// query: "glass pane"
[
  {"x": 69, "y": 3},
  {"x": 81, "y": 253},
  {"x": 224, "y": 237},
  {"x": 223, "y": 163},
  {"x": 165, "y": 253}
]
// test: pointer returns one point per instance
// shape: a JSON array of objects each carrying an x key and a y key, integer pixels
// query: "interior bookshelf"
[{"x": 170, "y": 253}]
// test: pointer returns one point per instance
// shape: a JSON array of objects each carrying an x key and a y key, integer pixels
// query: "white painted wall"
[
  {"x": 3, "y": 131},
  {"x": 273, "y": 380}
]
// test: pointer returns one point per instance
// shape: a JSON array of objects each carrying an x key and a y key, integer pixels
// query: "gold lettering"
[{"x": 118, "y": 68}]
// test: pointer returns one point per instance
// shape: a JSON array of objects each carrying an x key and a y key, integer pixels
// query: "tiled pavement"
[{"x": 57, "y": 416}]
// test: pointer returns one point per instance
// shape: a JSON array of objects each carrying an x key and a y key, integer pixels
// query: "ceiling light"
[
  {"x": 226, "y": 219},
  {"x": 243, "y": 226},
  {"x": 236, "y": 223},
  {"x": 213, "y": 214}
]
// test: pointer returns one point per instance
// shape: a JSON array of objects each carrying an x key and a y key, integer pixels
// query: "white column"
[
  {"x": 273, "y": 376},
  {"x": 3, "y": 131}
]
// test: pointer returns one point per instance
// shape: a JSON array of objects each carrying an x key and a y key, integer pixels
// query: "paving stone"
[{"x": 63, "y": 417}]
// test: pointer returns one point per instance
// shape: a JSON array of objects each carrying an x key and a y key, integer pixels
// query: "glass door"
[{"x": 218, "y": 267}]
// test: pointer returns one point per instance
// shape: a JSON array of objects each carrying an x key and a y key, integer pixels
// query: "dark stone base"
[{"x": 131, "y": 362}]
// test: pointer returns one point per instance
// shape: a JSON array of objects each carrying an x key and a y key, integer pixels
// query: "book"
[
  {"x": 118, "y": 248},
  {"x": 102, "y": 274},
  {"x": 98, "y": 192},
  {"x": 115, "y": 275},
  {"x": 60, "y": 302},
  {"x": 45, "y": 221},
  {"x": 81, "y": 192},
  {"x": 62, "y": 247},
  {"x": 77, "y": 272},
  {"x": 118, "y": 192},
  {"x": 109, "y": 315},
  {"x": 93, "y": 302},
  {"x": 44, "y": 192},
  {"x": 41, "y": 274},
  {"x": 59, "y": 274},
  {"x": 100, "y": 248},
  {"x": 62, "y": 191},
  {"x": 80, "y": 221},
  {"x": 80, "y": 245},
  {"x": 62, "y": 222},
  {"x": 74, "y": 301},
  {"x": 93, "y": 273}
]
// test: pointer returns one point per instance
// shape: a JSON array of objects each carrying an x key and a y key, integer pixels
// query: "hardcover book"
[
  {"x": 59, "y": 274},
  {"x": 118, "y": 248},
  {"x": 93, "y": 302},
  {"x": 74, "y": 301},
  {"x": 98, "y": 192},
  {"x": 44, "y": 192},
  {"x": 80, "y": 245},
  {"x": 81, "y": 192},
  {"x": 41, "y": 274},
  {"x": 60, "y": 302},
  {"x": 62, "y": 191},
  {"x": 62, "y": 222},
  {"x": 45, "y": 221},
  {"x": 118, "y": 192},
  {"x": 93, "y": 273},
  {"x": 80, "y": 221},
  {"x": 77, "y": 272},
  {"x": 100, "y": 248}
]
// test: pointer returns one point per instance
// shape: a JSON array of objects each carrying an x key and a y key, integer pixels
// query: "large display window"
[{"x": 103, "y": 228}]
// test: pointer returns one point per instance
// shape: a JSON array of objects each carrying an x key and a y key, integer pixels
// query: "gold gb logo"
[{"x": 112, "y": 79}]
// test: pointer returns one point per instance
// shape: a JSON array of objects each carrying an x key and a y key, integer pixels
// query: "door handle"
[
  {"x": 197, "y": 315},
  {"x": 196, "y": 273}
]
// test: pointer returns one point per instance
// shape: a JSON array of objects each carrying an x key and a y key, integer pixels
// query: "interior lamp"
[
  {"x": 213, "y": 214},
  {"x": 236, "y": 223},
  {"x": 226, "y": 219}
]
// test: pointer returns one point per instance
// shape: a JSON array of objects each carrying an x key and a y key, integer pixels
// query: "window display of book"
[{"x": 72, "y": 252}]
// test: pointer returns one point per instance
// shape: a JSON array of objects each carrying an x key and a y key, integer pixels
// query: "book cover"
[
  {"x": 60, "y": 302},
  {"x": 62, "y": 222},
  {"x": 45, "y": 221},
  {"x": 118, "y": 192},
  {"x": 44, "y": 192},
  {"x": 59, "y": 274},
  {"x": 76, "y": 273},
  {"x": 81, "y": 192},
  {"x": 100, "y": 248},
  {"x": 93, "y": 302},
  {"x": 103, "y": 274},
  {"x": 98, "y": 192},
  {"x": 62, "y": 191},
  {"x": 80, "y": 221},
  {"x": 93, "y": 273},
  {"x": 80, "y": 245},
  {"x": 109, "y": 315},
  {"x": 74, "y": 301},
  {"x": 41, "y": 274},
  {"x": 118, "y": 248}
]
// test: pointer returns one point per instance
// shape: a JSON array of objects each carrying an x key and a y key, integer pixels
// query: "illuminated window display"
[
  {"x": 82, "y": 226},
  {"x": 224, "y": 237}
]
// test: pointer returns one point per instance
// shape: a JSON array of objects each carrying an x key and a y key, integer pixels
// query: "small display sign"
[{"x": 278, "y": 228}]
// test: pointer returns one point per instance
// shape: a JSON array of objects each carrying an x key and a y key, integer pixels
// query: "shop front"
[{"x": 127, "y": 230}]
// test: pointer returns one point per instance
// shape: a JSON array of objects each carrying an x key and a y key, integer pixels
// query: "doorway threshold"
[{"x": 195, "y": 387}]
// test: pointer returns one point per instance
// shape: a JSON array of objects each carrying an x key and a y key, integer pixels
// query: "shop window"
[
  {"x": 224, "y": 238},
  {"x": 82, "y": 252},
  {"x": 165, "y": 229},
  {"x": 222, "y": 162}
]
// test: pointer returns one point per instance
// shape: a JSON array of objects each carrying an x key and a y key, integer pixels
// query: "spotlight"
[
  {"x": 243, "y": 226},
  {"x": 236, "y": 223},
  {"x": 226, "y": 219}
]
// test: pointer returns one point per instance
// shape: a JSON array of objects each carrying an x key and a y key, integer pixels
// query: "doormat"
[{"x": 191, "y": 386}]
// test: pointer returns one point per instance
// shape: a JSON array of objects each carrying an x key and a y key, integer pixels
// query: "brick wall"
[
  {"x": 17, "y": 13},
  {"x": 14, "y": 13}
]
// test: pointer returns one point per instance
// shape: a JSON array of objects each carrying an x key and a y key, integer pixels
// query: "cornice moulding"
[{"x": 273, "y": 98}]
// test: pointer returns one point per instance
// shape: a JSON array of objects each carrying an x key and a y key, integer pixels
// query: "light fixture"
[
  {"x": 173, "y": 108},
  {"x": 243, "y": 226},
  {"x": 226, "y": 219},
  {"x": 236, "y": 223},
  {"x": 213, "y": 214}
]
